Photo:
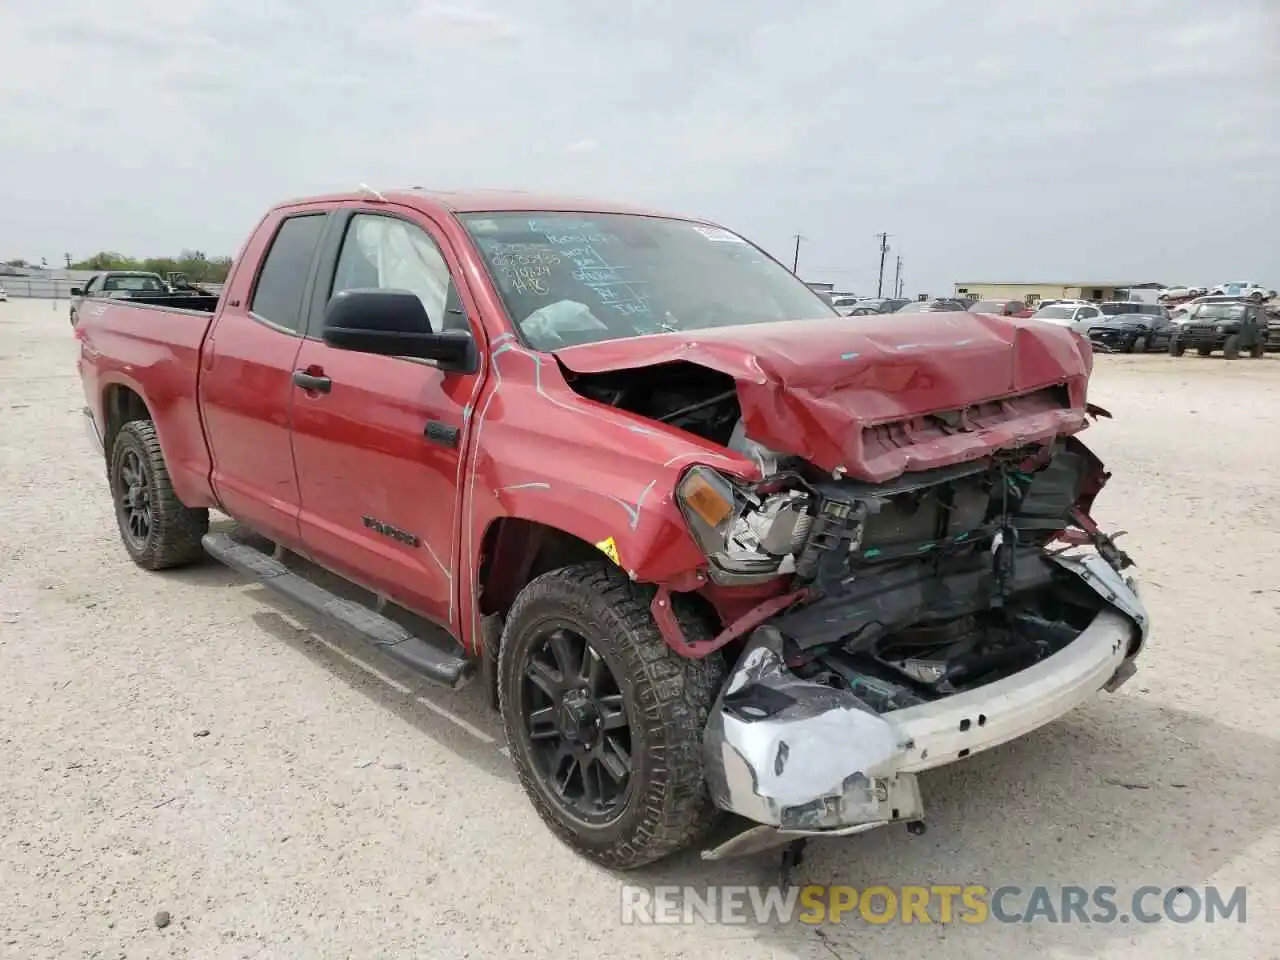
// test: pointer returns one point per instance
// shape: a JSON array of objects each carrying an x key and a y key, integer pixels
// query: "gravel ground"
[{"x": 186, "y": 743}]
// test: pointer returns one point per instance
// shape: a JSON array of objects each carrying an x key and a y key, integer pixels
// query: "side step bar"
[{"x": 452, "y": 670}]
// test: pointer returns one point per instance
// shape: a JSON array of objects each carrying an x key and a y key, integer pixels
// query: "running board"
[{"x": 451, "y": 669}]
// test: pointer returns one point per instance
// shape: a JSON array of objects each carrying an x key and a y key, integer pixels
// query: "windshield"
[
  {"x": 1120, "y": 309},
  {"x": 1220, "y": 311},
  {"x": 1055, "y": 313},
  {"x": 571, "y": 278}
]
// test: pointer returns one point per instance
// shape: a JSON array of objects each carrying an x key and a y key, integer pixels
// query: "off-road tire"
[
  {"x": 1139, "y": 344},
  {"x": 1176, "y": 349},
  {"x": 1231, "y": 349},
  {"x": 1259, "y": 349},
  {"x": 668, "y": 698},
  {"x": 174, "y": 537},
  {"x": 1204, "y": 351}
]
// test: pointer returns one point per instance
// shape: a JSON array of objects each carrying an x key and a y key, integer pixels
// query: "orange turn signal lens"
[{"x": 710, "y": 505}]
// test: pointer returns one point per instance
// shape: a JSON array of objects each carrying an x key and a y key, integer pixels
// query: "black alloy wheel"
[
  {"x": 133, "y": 499},
  {"x": 579, "y": 735},
  {"x": 604, "y": 720}
]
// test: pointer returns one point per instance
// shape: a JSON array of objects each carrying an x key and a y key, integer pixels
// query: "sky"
[{"x": 1019, "y": 140}]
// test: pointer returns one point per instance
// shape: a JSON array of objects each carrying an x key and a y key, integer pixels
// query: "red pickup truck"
[{"x": 710, "y": 546}]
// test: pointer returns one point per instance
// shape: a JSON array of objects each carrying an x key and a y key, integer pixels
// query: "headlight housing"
[{"x": 746, "y": 537}]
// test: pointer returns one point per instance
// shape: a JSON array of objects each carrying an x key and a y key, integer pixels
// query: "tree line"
[{"x": 198, "y": 267}]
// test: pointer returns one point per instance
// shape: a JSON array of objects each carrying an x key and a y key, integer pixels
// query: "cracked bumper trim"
[{"x": 826, "y": 764}]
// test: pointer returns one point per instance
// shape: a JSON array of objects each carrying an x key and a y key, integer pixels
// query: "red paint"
[{"x": 306, "y": 467}]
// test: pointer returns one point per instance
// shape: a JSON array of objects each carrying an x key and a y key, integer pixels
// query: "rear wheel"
[
  {"x": 604, "y": 721},
  {"x": 1204, "y": 350},
  {"x": 1231, "y": 349},
  {"x": 158, "y": 531},
  {"x": 1176, "y": 348},
  {"x": 1259, "y": 348},
  {"x": 1139, "y": 344}
]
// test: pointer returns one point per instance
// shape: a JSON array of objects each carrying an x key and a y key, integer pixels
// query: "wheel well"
[
  {"x": 515, "y": 551},
  {"x": 120, "y": 406}
]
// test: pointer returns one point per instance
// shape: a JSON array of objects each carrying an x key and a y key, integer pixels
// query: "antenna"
[{"x": 366, "y": 189}]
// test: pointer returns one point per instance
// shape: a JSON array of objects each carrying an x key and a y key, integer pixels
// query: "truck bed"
[
  {"x": 186, "y": 301},
  {"x": 123, "y": 343}
]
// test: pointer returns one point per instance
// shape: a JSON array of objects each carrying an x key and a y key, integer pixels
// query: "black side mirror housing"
[
  {"x": 77, "y": 291},
  {"x": 394, "y": 323}
]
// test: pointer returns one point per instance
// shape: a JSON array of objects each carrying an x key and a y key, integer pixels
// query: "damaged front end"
[
  {"x": 940, "y": 615},
  {"x": 907, "y": 574}
]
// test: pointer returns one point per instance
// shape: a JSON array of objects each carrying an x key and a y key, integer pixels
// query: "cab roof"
[{"x": 483, "y": 201}]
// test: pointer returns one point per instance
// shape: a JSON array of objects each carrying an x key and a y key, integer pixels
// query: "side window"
[
  {"x": 277, "y": 296},
  {"x": 385, "y": 252}
]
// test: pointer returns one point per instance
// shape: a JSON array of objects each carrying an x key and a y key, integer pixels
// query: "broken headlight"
[{"x": 745, "y": 536}]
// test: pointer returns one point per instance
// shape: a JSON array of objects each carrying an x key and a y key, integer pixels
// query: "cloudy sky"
[{"x": 993, "y": 139}]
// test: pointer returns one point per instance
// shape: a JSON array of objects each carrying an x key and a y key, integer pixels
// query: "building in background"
[{"x": 1033, "y": 292}]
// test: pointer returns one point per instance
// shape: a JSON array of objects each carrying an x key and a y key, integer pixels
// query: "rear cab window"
[{"x": 285, "y": 270}]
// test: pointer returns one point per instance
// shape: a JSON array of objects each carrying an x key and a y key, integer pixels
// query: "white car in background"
[
  {"x": 1247, "y": 289},
  {"x": 1067, "y": 313}
]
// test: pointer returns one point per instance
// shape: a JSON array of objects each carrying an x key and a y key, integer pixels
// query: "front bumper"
[
  {"x": 1203, "y": 336},
  {"x": 825, "y": 765},
  {"x": 1113, "y": 340}
]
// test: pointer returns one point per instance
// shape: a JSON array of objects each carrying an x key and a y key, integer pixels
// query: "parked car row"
[{"x": 1230, "y": 324}]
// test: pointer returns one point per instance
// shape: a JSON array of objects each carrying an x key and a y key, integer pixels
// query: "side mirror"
[
  {"x": 394, "y": 323},
  {"x": 77, "y": 291}
]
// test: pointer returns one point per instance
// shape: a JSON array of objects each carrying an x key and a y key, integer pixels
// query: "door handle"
[{"x": 312, "y": 382}]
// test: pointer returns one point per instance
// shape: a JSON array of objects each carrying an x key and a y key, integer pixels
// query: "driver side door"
[{"x": 377, "y": 440}]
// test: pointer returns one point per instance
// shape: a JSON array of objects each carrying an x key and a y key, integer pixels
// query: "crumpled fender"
[{"x": 541, "y": 452}]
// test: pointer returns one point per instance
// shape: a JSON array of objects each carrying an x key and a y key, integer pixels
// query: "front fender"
[{"x": 641, "y": 530}]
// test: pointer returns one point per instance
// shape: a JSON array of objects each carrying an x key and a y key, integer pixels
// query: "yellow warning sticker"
[{"x": 609, "y": 549}]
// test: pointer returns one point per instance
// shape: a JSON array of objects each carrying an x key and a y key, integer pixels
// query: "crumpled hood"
[{"x": 816, "y": 388}]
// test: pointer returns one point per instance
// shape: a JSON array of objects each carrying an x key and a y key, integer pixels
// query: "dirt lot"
[{"x": 339, "y": 808}]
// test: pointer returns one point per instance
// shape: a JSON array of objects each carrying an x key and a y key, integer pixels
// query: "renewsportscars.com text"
[{"x": 935, "y": 903}]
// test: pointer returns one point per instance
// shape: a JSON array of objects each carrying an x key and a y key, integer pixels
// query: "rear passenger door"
[{"x": 246, "y": 384}]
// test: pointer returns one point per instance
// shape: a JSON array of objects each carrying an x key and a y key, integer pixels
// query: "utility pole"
[
  {"x": 884, "y": 248},
  {"x": 795, "y": 261},
  {"x": 897, "y": 277}
]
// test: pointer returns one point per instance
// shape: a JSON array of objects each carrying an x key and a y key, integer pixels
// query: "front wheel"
[
  {"x": 1176, "y": 349},
  {"x": 1139, "y": 344},
  {"x": 1259, "y": 349},
  {"x": 157, "y": 529},
  {"x": 1231, "y": 349},
  {"x": 604, "y": 721}
]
